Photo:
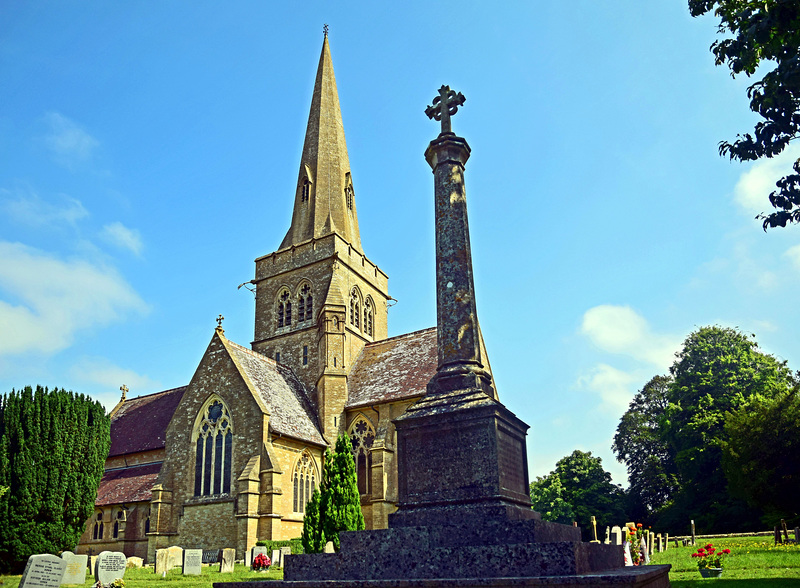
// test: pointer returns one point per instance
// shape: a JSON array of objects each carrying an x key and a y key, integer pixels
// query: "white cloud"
[
  {"x": 53, "y": 299},
  {"x": 101, "y": 371},
  {"x": 615, "y": 387},
  {"x": 793, "y": 253},
  {"x": 755, "y": 185},
  {"x": 69, "y": 143},
  {"x": 118, "y": 234},
  {"x": 26, "y": 207},
  {"x": 621, "y": 330}
]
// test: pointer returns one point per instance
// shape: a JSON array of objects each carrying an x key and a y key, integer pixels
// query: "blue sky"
[{"x": 148, "y": 154}]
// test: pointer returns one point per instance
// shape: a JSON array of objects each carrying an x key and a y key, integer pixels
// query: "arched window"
[
  {"x": 97, "y": 533},
  {"x": 306, "y": 190},
  {"x": 304, "y": 481},
  {"x": 368, "y": 316},
  {"x": 284, "y": 309},
  {"x": 213, "y": 437},
  {"x": 147, "y": 524},
  {"x": 349, "y": 193},
  {"x": 305, "y": 304},
  {"x": 116, "y": 530},
  {"x": 362, "y": 436},
  {"x": 355, "y": 309}
]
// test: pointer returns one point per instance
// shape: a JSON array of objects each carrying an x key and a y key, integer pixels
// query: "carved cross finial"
[
  {"x": 124, "y": 390},
  {"x": 444, "y": 106},
  {"x": 220, "y": 318},
  {"x": 325, "y": 30}
]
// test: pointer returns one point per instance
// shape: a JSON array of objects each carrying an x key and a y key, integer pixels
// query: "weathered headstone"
[
  {"x": 692, "y": 531},
  {"x": 666, "y": 541},
  {"x": 226, "y": 557},
  {"x": 255, "y": 551},
  {"x": 192, "y": 562},
  {"x": 90, "y": 564},
  {"x": 43, "y": 571},
  {"x": 75, "y": 571},
  {"x": 284, "y": 552},
  {"x": 162, "y": 562},
  {"x": 608, "y": 536},
  {"x": 276, "y": 558},
  {"x": 329, "y": 547},
  {"x": 110, "y": 566},
  {"x": 616, "y": 534},
  {"x": 248, "y": 557},
  {"x": 660, "y": 540},
  {"x": 175, "y": 554},
  {"x": 135, "y": 562}
]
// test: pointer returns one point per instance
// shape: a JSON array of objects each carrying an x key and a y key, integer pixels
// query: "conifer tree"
[
  {"x": 53, "y": 445},
  {"x": 313, "y": 537},
  {"x": 340, "y": 508}
]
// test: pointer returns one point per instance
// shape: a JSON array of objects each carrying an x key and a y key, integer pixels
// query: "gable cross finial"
[
  {"x": 444, "y": 106},
  {"x": 124, "y": 390},
  {"x": 325, "y": 30},
  {"x": 220, "y": 318}
]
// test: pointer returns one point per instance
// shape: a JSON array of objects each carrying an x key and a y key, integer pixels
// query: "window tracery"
[
  {"x": 284, "y": 309},
  {"x": 304, "y": 481},
  {"x": 305, "y": 304},
  {"x": 362, "y": 436},
  {"x": 355, "y": 309},
  {"x": 97, "y": 533},
  {"x": 349, "y": 193},
  {"x": 214, "y": 450},
  {"x": 368, "y": 316}
]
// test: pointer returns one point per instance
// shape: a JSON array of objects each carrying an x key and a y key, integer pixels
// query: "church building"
[{"x": 233, "y": 457}]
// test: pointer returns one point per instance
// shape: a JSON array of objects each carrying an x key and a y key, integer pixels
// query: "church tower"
[{"x": 319, "y": 300}]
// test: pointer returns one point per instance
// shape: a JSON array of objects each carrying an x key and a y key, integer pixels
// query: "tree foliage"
[
  {"x": 579, "y": 485},
  {"x": 639, "y": 443},
  {"x": 337, "y": 506},
  {"x": 53, "y": 445},
  {"x": 761, "y": 454},
  {"x": 764, "y": 34}
]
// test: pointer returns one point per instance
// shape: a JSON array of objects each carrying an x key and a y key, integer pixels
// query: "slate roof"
[
  {"x": 140, "y": 424},
  {"x": 131, "y": 484},
  {"x": 393, "y": 369},
  {"x": 285, "y": 397}
]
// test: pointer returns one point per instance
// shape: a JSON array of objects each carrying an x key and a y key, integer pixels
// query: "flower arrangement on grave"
[
  {"x": 635, "y": 540},
  {"x": 118, "y": 583},
  {"x": 709, "y": 557},
  {"x": 261, "y": 562}
]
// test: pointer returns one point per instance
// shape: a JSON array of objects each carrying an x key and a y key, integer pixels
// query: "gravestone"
[
  {"x": 110, "y": 566},
  {"x": 660, "y": 543},
  {"x": 329, "y": 547},
  {"x": 666, "y": 541},
  {"x": 226, "y": 558},
  {"x": 90, "y": 564},
  {"x": 248, "y": 557},
  {"x": 255, "y": 551},
  {"x": 192, "y": 562},
  {"x": 175, "y": 559},
  {"x": 608, "y": 536},
  {"x": 284, "y": 552},
  {"x": 616, "y": 534},
  {"x": 162, "y": 562},
  {"x": 75, "y": 571},
  {"x": 276, "y": 558},
  {"x": 135, "y": 562},
  {"x": 43, "y": 571}
]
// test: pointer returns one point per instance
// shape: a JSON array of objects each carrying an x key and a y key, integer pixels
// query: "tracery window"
[
  {"x": 284, "y": 309},
  {"x": 362, "y": 436},
  {"x": 368, "y": 316},
  {"x": 304, "y": 480},
  {"x": 97, "y": 533},
  {"x": 305, "y": 304},
  {"x": 213, "y": 436},
  {"x": 349, "y": 193},
  {"x": 355, "y": 309}
]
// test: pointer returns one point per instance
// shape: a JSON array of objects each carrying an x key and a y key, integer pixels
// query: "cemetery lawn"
[
  {"x": 753, "y": 562},
  {"x": 144, "y": 578}
]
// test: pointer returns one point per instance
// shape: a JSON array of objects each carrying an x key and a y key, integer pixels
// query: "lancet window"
[
  {"x": 355, "y": 309},
  {"x": 97, "y": 532},
  {"x": 213, "y": 436},
  {"x": 304, "y": 480},
  {"x": 284, "y": 309},
  {"x": 305, "y": 304},
  {"x": 306, "y": 190},
  {"x": 368, "y": 312},
  {"x": 362, "y": 436},
  {"x": 349, "y": 193}
]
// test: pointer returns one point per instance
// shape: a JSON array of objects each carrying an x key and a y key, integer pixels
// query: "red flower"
[
  {"x": 639, "y": 525},
  {"x": 709, "y": 546},
  {"x": 726, "y": 551},
  {"x": 701, "y": 550},
  {"x": 711, "y": 550}
]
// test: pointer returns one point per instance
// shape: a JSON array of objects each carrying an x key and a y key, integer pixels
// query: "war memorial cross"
[{"x": 444, "y": 106}]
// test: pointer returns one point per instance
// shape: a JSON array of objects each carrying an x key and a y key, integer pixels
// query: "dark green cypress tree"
[
  {"x": 341, "y": 502},
  {"x": 313, "y": 537},
  {"x": 53, "y": 446}
]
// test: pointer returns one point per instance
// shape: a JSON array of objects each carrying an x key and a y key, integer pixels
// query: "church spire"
[{"x": 324, "y": 201}]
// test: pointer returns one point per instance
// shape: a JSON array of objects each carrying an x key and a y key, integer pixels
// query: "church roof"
[
  {"x": 393, "y": 369},
  {"x": 140, "y": 424},
  {"x": 283, "y": 394},
  {"x": 131, "y": 484}
]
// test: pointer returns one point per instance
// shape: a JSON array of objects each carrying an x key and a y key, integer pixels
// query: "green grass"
[
  {"x": 754, "y": 561},
  {"x": 145, "y": 578}
]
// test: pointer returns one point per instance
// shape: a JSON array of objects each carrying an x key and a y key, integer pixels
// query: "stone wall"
[{"x": 208, "y": 526}]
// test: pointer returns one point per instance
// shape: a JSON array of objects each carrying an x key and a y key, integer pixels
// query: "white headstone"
[
  {"x": 110, "y": 566},
  {"x": 226, "y": 558},
  {"x": 135, "y": 562},
  {"x": 329, "y": 548},
  {"x": 75, "y": 572},
  {"x": 276, "y": 558},
  {"x": 192, "y": 562},
  {"x": 616, "y": 535},
  {"x": 162, "y": 559},
  {"x": 175, "y": 557},
  {"x": 43, "y": 571}
]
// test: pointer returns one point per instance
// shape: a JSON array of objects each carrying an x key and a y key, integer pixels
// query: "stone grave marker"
[
  {"x": 666, "y": 541},
  {"x": 284, "y": 552},
  {"x": 90, "y": 564},
  {"x": 616, "y": 533},
  {"x": 660, "y": 543},
  {"x": 75, "y": 570},
  {"x": 257, "y": 550},
  {"x": 192, "y": 562},
  {"x": 329, "y": 547},
  {"x": 248, "y": 557},
  {"x": 276, "y": 558},
  {"x": 175, "y": 559},
  {"x": 608, "y": 536},
  {"x": 135, "y": 562},
  {"x": 226, "y": 557},
  {"x": 43, "y": 571},
  {"x": 162, "y": 561},
  {"x": 110, "y": 566}
]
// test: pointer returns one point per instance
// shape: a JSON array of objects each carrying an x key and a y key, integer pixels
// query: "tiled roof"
[
  {"x": 131, "y": 484},
  {"x": 393, "y": 369},
  {"x": 140, "y": 424},
  {"x": 283, "y": 394}
]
